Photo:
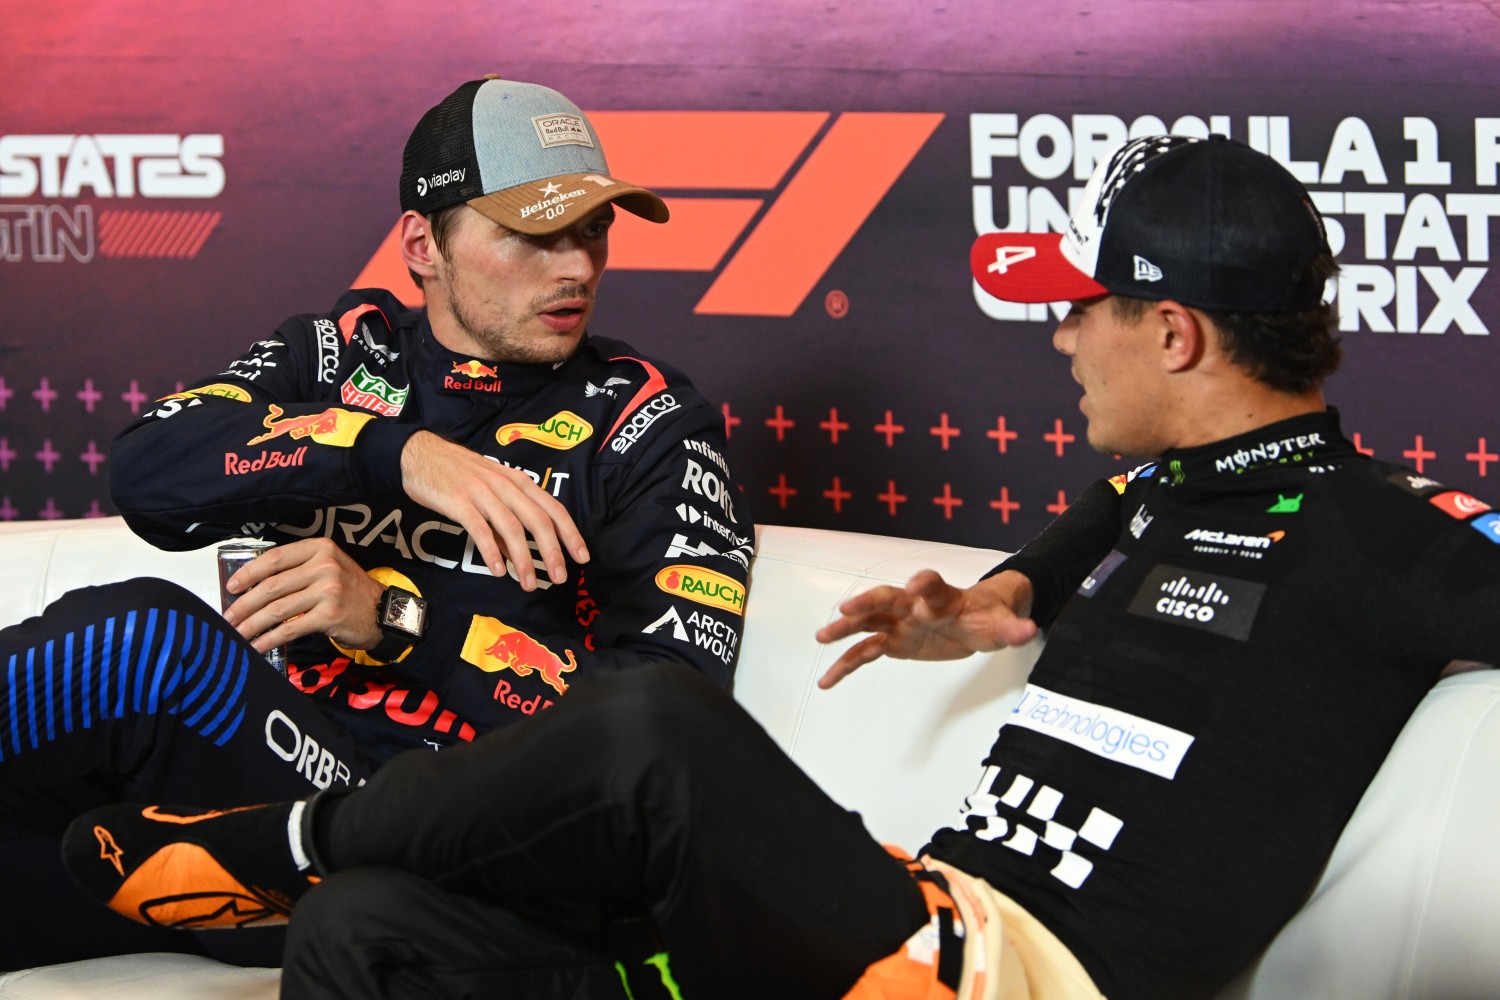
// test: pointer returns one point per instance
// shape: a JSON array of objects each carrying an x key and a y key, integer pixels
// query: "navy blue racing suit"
[{"x": 139, "y": 689}]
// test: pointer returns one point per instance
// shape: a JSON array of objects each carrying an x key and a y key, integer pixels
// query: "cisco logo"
[{"x": 1220, "y": 604}]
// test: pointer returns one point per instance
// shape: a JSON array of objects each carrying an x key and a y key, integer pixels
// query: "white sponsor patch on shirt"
[{"x": 1102, "y": 731}]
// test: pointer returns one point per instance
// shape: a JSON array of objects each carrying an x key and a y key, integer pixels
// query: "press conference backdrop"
[{"x": 174, "y": 182}]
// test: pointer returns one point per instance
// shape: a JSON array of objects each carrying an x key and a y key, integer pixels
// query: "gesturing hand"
[
  {"x": 301, "y": 588},
  {"x": 929, "y": 619},
  {"x": 497, "y": 505}
]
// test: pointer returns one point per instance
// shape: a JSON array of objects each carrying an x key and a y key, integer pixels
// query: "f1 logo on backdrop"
[{"x": 817, "y": 179}]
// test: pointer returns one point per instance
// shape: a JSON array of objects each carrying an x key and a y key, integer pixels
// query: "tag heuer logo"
[{"x": 371, "y": 392}]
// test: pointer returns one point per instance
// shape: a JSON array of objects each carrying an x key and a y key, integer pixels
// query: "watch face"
[{"x": 405, "y": 612}]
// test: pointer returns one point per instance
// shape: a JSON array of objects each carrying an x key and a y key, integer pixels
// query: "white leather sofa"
[{"x": 1409, "y": 905}]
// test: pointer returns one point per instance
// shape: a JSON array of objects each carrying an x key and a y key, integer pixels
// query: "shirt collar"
[{"x": 1311, "y": 439}]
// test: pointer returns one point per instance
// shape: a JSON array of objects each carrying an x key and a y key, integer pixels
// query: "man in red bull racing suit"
[{"x": 558, "y": 503}]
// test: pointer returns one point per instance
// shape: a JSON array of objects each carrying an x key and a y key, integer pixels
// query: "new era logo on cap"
[{"x": 1145, "y": 270}]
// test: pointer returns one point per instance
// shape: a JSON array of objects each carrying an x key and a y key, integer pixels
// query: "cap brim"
[
  {"x": 1029, "y": 267},
  {"x": 555, "y": 203}
]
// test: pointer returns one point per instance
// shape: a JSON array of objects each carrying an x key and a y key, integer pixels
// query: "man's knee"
[
  {"x": 658, "y": 699},
  {"x": 147, "y": 592},
  {"x": 660, "y": 713},
  {"x": 142, "y": 593},
  {"x": 347, "y": 907}
]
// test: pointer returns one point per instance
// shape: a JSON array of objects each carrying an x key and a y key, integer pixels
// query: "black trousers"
[
  {"x": 645, "y": 793},
  {"x": 139, "y": 691}
]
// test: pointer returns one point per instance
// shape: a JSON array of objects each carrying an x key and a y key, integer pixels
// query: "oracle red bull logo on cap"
[
  {"x": 334, "y": 426},
  {"x": 477, "y": 377},
  {"x": 493, "y": 646},
  {"x": 704, "y": 586},
  {"x": 562, "y": 431}
]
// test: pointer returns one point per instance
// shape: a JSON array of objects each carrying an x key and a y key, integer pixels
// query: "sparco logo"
[
  {"x": 1223, "y": 605},
  {"x": 643, "y": 419},
  {"x": 425, "y": 184},
  {"x": 330, "y": 345}
]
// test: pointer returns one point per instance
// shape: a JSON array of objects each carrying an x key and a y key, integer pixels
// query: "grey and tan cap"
[{"x": 519, "y": 153}]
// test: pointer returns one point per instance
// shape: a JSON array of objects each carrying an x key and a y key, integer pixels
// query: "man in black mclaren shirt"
[
  {"x": 475, "y": 505},
  {"x": 1236, "y": 632}
]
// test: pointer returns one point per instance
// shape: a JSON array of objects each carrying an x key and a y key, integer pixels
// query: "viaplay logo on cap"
[{"x": 425, "y": 184}]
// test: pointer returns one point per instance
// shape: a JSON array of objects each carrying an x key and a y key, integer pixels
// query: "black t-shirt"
[{"x": 1262, "y": 616}]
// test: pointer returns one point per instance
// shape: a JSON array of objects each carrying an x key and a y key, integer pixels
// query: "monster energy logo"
[{"x": 663, "y": 969}]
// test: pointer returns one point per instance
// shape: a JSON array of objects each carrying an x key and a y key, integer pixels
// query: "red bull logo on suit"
[
  {"x": 477, "y": 377},
  {"x": 494, "y": 646},
  {"x": 334, "y": 426}
]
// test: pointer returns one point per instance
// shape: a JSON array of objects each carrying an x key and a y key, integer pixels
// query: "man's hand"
[
  {"x": 309, "y": 586},
  {"x": 929, "y": 619},
  {"x": 497, "y": 505}
]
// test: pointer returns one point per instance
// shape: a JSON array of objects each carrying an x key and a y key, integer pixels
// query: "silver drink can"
[{"x": 233, "y": 555}]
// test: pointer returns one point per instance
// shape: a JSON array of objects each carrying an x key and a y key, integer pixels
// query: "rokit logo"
[
  {"x": 1219, "y": 604},
  {"x": 709, "y": 486}
]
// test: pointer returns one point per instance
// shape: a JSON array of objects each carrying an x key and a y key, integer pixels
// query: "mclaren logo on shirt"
[{"x": 1214, "y": 603}]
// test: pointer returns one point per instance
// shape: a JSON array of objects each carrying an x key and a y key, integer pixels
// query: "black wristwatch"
[{"x": 402, "y": 617}]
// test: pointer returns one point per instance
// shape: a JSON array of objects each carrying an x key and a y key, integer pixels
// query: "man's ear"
[
  {"x": 418, "y": 249},
  {"x": 1184, "y": 338}
]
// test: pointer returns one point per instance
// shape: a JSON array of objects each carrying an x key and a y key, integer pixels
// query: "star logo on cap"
[{"x": 550, "y": 190}]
